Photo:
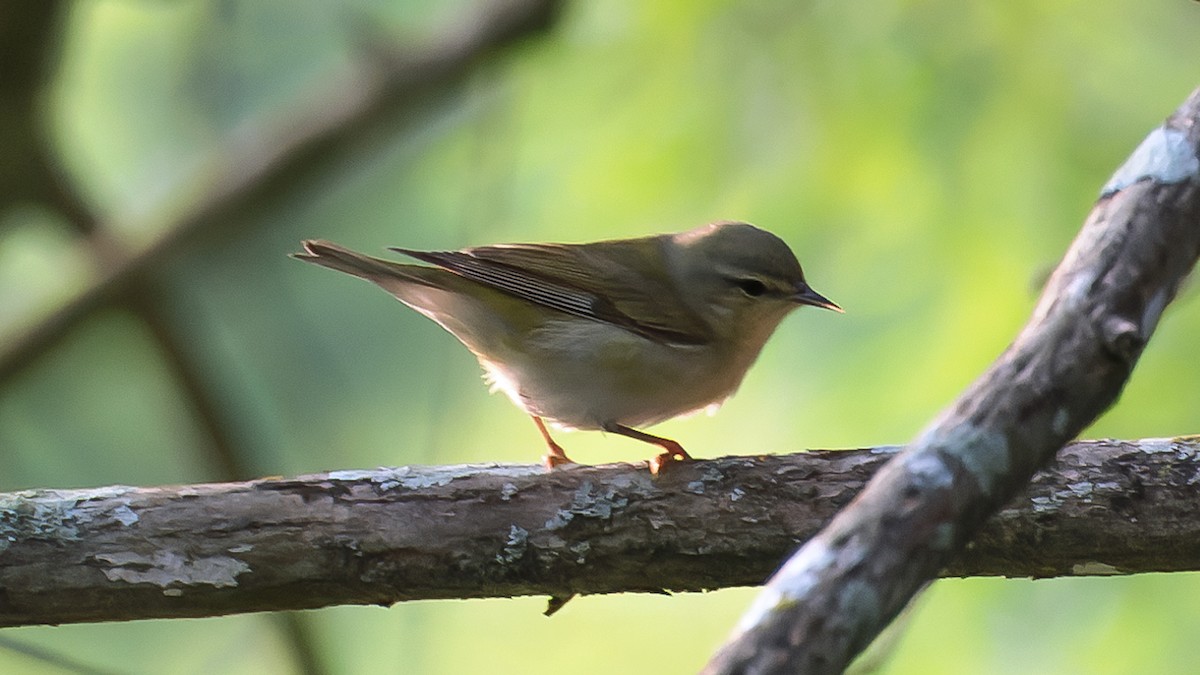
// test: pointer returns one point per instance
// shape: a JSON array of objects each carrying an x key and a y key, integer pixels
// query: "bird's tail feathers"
[{"x": 342, "y": 259}]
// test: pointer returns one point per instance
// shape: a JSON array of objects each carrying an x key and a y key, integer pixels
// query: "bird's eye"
[{"x": 751, "y": 287}]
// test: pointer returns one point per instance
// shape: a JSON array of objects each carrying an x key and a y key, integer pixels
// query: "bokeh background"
[{"x": 928, "y": 160}]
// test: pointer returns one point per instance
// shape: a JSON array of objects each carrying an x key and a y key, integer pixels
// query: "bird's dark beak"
[{"x": 807, "y": 296}]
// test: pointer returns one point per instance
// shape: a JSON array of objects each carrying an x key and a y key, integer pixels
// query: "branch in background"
[
  {"x": 30, "y": 172},
  {"x": 378, "y": 537},
  {"x": 1066, "y": 367},
  {"x": 255, "y": 165},
  {"x": 267, "y": 157}
]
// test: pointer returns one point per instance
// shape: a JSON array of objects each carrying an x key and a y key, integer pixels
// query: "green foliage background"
[{"x": 928, "y": 160}]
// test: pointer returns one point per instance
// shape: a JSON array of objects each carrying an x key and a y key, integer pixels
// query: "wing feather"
[{"x": 603, "y": 281}]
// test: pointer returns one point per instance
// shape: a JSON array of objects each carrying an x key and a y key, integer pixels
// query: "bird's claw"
[
  {"x": 553, "y": 462},
  {"x": 661, "y": 460}
]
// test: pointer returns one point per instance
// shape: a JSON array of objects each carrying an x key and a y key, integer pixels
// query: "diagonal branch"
[
  {"x": 1065, "y": 368},
  {"x": 382, "y": 536},
  {"x": 247, "y": 171},
  {"x": 265, "y": 158}
]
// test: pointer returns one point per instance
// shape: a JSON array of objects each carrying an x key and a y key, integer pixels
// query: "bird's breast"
[{"x": 584, "y": 374}]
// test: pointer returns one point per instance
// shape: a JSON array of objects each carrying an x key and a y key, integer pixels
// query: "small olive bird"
[{"x": 612, "y": 335}]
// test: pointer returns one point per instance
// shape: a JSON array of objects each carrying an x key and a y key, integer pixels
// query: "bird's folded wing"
[{"x": 592, "y": 281}]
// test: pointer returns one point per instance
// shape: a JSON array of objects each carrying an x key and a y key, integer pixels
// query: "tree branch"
[
  {"x": 1066, "y": 367},
  {"x": 382, "y": 536}
]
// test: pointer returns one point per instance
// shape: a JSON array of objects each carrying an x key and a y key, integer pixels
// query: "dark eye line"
[{"x": 752, "y": 287}]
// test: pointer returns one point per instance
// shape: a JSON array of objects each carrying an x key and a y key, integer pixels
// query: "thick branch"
[
  {"x": 378, "y": 537},
  {"x": 1065, "y": 368}
]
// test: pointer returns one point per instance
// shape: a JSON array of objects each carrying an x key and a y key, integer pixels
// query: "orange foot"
[
  {"x": 674, "y": 453},
  {"x": 556, "y": 457},
  {"x": 553, "y": 461}
]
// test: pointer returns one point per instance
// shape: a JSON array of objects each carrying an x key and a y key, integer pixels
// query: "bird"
[{"x": 613, "y": 335}]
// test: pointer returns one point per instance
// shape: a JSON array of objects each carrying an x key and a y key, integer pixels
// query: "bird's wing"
[{"x": 592, "y": 281}]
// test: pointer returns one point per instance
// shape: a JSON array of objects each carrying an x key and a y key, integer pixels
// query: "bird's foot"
[
  {"x": 674, "y": 453},
  {"x": 553, "y": 461},
  {"x": 555, "y": 457}
]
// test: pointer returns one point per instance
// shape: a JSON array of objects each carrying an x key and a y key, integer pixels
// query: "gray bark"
[
  {"x": 388, "y": 535},
  {"x": 1066, "y": 367}
]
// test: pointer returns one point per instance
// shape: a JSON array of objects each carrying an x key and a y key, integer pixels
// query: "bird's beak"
[{"x": 807, "y": 296}]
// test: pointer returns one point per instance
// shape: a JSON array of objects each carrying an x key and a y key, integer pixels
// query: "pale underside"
[
  {"x": 590, "y": 374},
  {"x": 581, "y": 373}
]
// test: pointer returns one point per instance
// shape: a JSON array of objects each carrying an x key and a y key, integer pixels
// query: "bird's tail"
[{"x": 333, "y": 256}]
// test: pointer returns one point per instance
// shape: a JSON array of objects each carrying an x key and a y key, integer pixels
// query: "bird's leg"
[
  {"x": 674, "y": 452},
  {"x": 556, "y": 457}
]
